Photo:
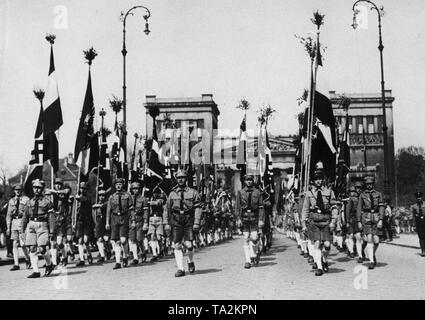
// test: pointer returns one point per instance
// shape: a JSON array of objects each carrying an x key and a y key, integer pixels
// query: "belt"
[
  {"x": 119, "y": 214},
  {"x": 182, "y": 212},
  {"x": 39, "y": 219}
]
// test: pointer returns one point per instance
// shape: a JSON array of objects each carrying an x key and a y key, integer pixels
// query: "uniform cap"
[
  {"x": 59, "y": 181},
  {"x": 318, "y": 174},
  {"x": 248, "y": 176},
  {"x": 18, "y": 186},
  {"x": 319, "y": 165},
  {"x": 358, "y": 184},
  {"x": 84, "y": 185},
  {"x": 38, "y": 183},
  {"x": 135, "y": 185},
  {"x": 418, "y": 194},
  {"x": 369, "y": 179},
  {"x": 119, "y": 180},
  {"x": 181, "y": 173}
]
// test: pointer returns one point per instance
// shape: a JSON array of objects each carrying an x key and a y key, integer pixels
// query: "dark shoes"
[
  {"x": 135, "y": 262},
  {"x": 372, "y": 265},
  {"x": 117, "y": 266},
  {"x": 101, "y": 260},
  {"x": 306, "y": 255},
  {"x": 49, "y": 270},
  {"x": 179, "y": 273},
  {"x": 34, "y": 275},
  {"x": 143, "y": 256},
  {"x": 124, "y": 262},
  {"x": 191, "y": 267},
  {"x": 247, "y": 265},
  {"x": 314, "y": 266},
  {"x": 360, "y": 260},
  {"x": 90, "y": 259},
  {"x": 325, "y": 266},
  {"x": 352, "y": 255},
  {"x": 80, "y": 263},
  {"x": 423, "y": 254},
  {"x": 15, "y": 268},
  {"x": 154, "y": 258},
  {"x": 319, "y": 272}
]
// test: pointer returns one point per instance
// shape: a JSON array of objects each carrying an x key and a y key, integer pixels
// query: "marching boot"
[{"x": 318, "y": 272}]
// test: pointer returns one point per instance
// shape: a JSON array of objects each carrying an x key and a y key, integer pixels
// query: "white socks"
[
  {"x": 297, "y": 238},
  {"x": 54, "y": 253},
  {"x": 339, "y": 241},
  {"x": 318, "y": 260},
  {"x": 178, "y": 254},
  {"x": 101, "y": 248},
  {"x": 133, "y": 249},
  {"x": 350, "y": 245},
  {"x": 81, "y": 252},
  {"x": 190, "y": 255},
  {"x": 247, "y": 251},
  {"x": 253, "y": 248},
  {"x": 303, "y": 246},
  {"x": 16, "y": 255},
  {"x": 47, "y": 258},
  {"x": 34, "y": 261},
  {"x": 359, "y": 248},
  {"x": 117, "y": 250},
  {"x": 369, "y": 248}
]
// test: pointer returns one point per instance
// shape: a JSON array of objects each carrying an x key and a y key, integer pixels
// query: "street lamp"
[
  {"x": 124, "y": 53},
  {"x": 387, "y": 190}
]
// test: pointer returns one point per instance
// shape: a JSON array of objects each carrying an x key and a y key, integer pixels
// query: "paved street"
[{"x": 281, "y": 274}]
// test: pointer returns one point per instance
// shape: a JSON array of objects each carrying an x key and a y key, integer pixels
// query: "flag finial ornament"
[
  {"x": 89, "y": 55},
  {"x": 50, "y": 37}
]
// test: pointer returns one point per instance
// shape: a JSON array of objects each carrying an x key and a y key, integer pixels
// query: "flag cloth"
[
  {"x": 35, "y": 167},
  {"x": 86, "y": 137},
  {"x": 52, "y": 117},
  {"x": 323, "y": 147},
  {"x": 53, "y": 112},
  {"x": 105, "y": 165},
  {"x": 241, "y": 154},
  {"x": 154, "y": 169}
]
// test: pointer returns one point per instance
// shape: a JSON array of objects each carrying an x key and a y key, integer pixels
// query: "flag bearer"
[
  {"x": 370, "y": 212},
  {"x": 35, "y": 222},
  {"x": 250, "y": 213},
  {"x": 183, "y": 214},
  {"x": 118, "y": 219},
  {"x": 15, "y": 211},
  {"x": 320, "y": 209}
]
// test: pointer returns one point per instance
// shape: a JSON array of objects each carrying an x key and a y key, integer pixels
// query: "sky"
[{"x": 232, "y": 49}]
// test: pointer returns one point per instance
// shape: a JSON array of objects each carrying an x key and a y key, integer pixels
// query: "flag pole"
[
  {"x": 318, "y": 21},
  {"x": 102, "y": 114}
]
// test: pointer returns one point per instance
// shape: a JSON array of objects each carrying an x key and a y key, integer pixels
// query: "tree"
[{"x": 410, "y": 172}]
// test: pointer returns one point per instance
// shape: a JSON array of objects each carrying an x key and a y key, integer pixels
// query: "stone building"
[{"x": 366, "y": 135}]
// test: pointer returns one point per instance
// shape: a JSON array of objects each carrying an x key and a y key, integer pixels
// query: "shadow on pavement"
[
  {"x": 265, "y": 264},
  {"x": 204, "y": 271},
  {"x": 336, "y": 270},
  {"x": 268, "y": 259},
  {"x": 68, "y": 273},
  {"x": 342, "y": 259}
]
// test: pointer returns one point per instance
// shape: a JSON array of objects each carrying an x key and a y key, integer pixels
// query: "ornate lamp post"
[
  {"x": 387, "y": 190},
  {"x": 124, "y": 53}
]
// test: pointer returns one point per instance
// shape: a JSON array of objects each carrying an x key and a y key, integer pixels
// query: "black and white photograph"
[{"x": 212, "y": 150}]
